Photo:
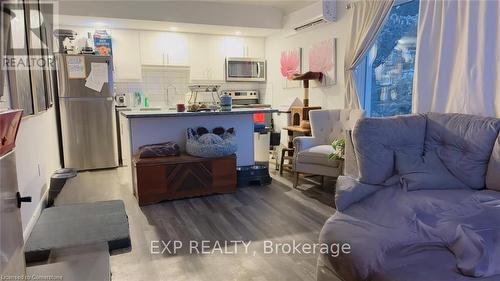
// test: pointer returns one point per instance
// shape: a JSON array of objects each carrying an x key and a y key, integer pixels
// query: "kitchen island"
[{"x": 141, "y": 127}]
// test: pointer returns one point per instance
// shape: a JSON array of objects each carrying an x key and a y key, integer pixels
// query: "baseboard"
[{"x": 34, "y": 218}]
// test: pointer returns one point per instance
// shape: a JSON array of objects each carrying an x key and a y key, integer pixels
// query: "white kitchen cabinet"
[
  {"x": 254, "y": 47},
  {"x": 176, "y": 49},
  {"x": 217, "y": 58},
  {"x": 126, "y": 56},
  {"x": 206, "y": 56},
  {"x": 233, "y": 46},
  {"x": 163, "y": 48},
  {"x": 152, "y": 47},
  {"x": 198, "y": 57}
]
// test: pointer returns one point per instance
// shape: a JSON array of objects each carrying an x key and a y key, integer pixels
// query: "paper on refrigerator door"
[
  {"x": 100, "y": 71},
  {"x": 94, "y": 85},
  {"x": 97, "y": 77},
  {"x": 75, "y": 66},
  {"x": 94, "y": 82}
]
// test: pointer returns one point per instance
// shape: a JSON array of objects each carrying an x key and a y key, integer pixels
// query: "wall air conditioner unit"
[
  {"x": 317, "y": 14},
  {"x": 312, "y": 23}
]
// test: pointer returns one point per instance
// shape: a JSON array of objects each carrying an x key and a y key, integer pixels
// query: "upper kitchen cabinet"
[
  {"x": 152, "y": 48},
  {"x": 206, "y": 55},
  {"x": 126, "y": 57},
  {"x": 177, "y": 49},
  {"x": 233, "y": 46},
  {"x": 163, "y": 48},
  {"x": 199, "y": 61},
  {"x": 254, "y": 47}
]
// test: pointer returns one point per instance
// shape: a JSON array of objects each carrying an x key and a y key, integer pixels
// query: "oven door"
[{"x": 245, "y": 69}]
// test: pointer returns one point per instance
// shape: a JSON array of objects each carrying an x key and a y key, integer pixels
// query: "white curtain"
[
  {"x": 457, "y": 66},
  {"x": 367, "y": 21}
]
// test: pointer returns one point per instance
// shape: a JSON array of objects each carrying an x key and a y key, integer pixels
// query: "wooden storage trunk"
[{"x": 165, "y": 178}]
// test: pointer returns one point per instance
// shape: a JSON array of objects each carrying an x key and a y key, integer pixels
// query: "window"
[
  {"x": 28, "y": 51},
  {"x": 385, "y": 78}
]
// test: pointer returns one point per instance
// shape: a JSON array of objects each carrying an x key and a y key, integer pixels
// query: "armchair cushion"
[
  {"x": 330, "y": 124},
  {"x": 318, "y": 155},
  {"x": 303, "y": 143}
]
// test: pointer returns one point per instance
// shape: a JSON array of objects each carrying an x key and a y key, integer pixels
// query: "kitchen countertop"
[{"x": 145, "y": 113}]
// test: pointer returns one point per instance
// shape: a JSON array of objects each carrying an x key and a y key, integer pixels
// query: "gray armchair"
[{"x": 311, "y": 153}]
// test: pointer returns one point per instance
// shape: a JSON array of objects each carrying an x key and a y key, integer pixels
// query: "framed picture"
[
  {"x": 322, "y": 57},
  {"x": 290, "y": 64}
]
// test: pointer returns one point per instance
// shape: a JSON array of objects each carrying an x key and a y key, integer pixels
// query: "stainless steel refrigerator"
[{"x": 87, "y": 115}]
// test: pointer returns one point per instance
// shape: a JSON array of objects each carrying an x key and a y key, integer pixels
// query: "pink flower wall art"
[
  {"x": 322, "y": 59},
  {"x": 290, "y": 63}
]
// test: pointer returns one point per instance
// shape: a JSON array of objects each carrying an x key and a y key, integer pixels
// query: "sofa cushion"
[
  {"x": 425, "y": 172},
  {"x": 318, "y": 155},
  {"x": 376, "y": 139},
  {"x": 464, "y": 143},
  {"x": 493, "y": 173}
]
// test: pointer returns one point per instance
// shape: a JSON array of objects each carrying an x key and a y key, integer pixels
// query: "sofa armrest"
[
  {"x": 349, "y": 191},
  {"x": 303, "y": 143}
]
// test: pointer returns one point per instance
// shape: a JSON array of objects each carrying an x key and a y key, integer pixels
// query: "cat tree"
[{"x": 300, "y": 114}]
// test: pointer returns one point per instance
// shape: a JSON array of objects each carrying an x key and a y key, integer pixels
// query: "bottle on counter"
[
  {"x": 226, "y": 102},
  {"x": 137, "y": 101}
]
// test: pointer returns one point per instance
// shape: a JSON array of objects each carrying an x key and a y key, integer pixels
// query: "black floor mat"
[{"x": 78, "y": 224}]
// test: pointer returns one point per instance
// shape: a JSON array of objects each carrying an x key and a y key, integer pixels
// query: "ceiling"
[
  {"x": 284, "y": 5},
  {"x": 227, "y": 17},
  {"x": 115, "y": 23}
]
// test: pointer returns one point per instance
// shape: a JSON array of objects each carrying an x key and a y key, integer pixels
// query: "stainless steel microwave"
[{"x": 245, "y": 69}]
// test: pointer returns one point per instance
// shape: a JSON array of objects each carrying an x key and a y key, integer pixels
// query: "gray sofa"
[{"x": 424, "y": 203}]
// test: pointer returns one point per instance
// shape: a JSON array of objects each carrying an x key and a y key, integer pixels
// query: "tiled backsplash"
[
  {"x": 164, "y": 86},
  {"x": 167, "y": 86}
]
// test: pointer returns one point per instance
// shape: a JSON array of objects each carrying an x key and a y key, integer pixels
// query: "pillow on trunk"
[{"x": 425, "y": 172}]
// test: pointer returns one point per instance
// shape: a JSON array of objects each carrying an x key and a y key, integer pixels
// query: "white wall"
[
  {"x": 328, "y": 97},
  {"x": 37, "y": 157}
]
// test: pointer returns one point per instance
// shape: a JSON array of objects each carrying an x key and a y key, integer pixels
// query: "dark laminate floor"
[{"x": 255, "y": 214}]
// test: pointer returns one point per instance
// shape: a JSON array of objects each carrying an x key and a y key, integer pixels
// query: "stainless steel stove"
[{"x": 246, "y": 99}]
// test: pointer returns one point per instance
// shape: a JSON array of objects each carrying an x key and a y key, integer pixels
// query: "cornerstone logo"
[{"x": 27, "y": 35}]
